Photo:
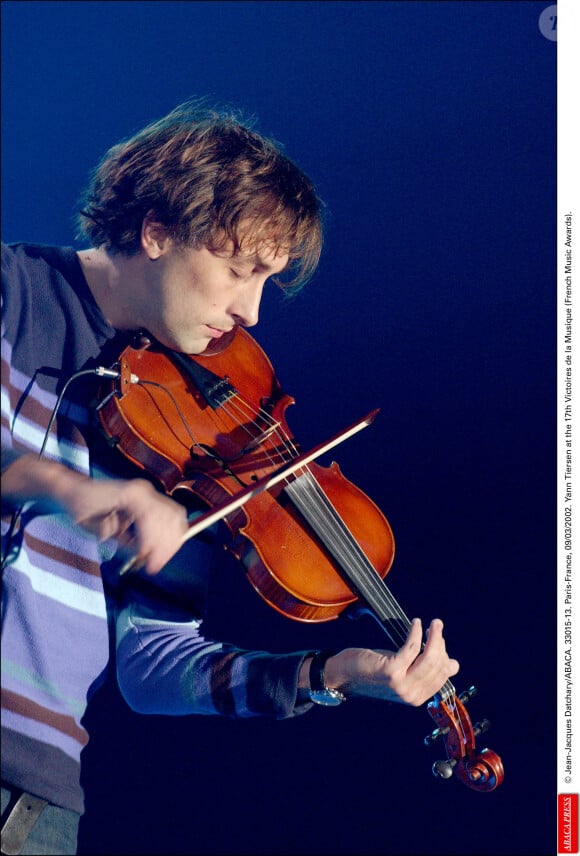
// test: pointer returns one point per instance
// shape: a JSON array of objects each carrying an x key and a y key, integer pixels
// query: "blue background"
[{"x": 429, "y": 128}]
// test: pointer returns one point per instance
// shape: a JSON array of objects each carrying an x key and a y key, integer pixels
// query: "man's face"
[{"x": 194, "y": 296}]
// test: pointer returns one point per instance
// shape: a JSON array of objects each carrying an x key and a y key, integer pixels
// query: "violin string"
[
  {"x": 250, "y": 413},
  {"x": 244, "y": 414},
  {"x": 322, "y": 515},
  {"x": 358, "y": 565},
  {"x": 351, "y": 556},
  {"x": 344, "y": 546},
  {"x": 348, "y": 552}
]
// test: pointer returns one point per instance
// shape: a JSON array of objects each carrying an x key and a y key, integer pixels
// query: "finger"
[
  {"x": 434, "y": 654},
  {"x": 434, "y": 635},
  {"x": 412, "y": 647},
  {"x": 113, "y": 524},
  {"x": 436, "y": 626},
  {"x": 103, "y": 526},
  {"x": 127, "y": 539},
  {"x": 453, "y": 666}
]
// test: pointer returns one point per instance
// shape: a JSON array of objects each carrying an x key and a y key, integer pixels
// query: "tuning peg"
[
  {"x": 466, "y": 695},
  {"x": 481, "y": 727},
  {"x": 443, "y": 769},
  {"x": 435, "y": 735}
]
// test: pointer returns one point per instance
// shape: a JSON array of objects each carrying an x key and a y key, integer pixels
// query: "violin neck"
[
  {"x": 394, "y": 628},
  {"x": 374, "y": 596}
]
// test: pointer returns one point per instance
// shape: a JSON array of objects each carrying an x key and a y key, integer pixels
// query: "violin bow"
[{"x": 208, "y": 518}]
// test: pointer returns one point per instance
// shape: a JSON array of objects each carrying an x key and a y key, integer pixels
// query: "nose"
[{"x": 245, "y": 308}]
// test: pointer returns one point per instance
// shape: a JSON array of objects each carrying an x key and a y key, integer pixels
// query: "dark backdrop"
[{"x": 429, "y": 128}]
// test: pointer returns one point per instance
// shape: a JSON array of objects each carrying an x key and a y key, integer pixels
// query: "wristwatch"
[{"x": 319, "y": 692}]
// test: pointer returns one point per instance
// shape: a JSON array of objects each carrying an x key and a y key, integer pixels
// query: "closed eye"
[
  {"x": 241, "y": 274},
  {"x": 244, "y": 273}
]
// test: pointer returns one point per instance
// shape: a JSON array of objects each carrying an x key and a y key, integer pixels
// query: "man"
[{"x": 187, "y": 220}]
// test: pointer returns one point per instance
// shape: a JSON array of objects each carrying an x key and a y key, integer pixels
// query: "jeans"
[{"x": 54, "y": 833}]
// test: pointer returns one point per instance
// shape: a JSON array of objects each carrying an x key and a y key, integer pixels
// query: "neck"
[{"x": 107, "y": 277}]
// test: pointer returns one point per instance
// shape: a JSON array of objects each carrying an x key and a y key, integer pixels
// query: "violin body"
[
  {"x": 177, "y": 427},
  {"x": 213, "y": 425},
  {"x": 320, "y": 593}
]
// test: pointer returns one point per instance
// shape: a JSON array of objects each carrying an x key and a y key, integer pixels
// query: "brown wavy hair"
[{"x": 207, "y": 176}]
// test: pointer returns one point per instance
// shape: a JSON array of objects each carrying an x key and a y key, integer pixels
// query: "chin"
[
  {"x": 206, "y": 345},
  {"x": 195, "y": 351},
  {"x": 191, "y": 346}
]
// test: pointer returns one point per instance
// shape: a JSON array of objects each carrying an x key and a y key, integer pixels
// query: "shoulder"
[
  {"x": 12, "y": 255},
  {"x": 28, "y": 274},
  {"x": 25, "y": 256},
  {"x": 24, "y": 262},
  {"x": 43, "y": 273}
]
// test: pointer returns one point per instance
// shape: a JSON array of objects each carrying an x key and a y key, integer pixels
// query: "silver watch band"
[{"x": 319, "y": 692}]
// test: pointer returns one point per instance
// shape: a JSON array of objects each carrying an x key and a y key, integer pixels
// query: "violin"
[{"x": 213, "y": 426}]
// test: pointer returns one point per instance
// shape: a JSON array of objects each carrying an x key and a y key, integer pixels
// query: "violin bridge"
[{"x": 261, "y": 438}]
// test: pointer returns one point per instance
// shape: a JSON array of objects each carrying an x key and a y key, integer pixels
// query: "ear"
[{"x": 155, "y": 239}]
